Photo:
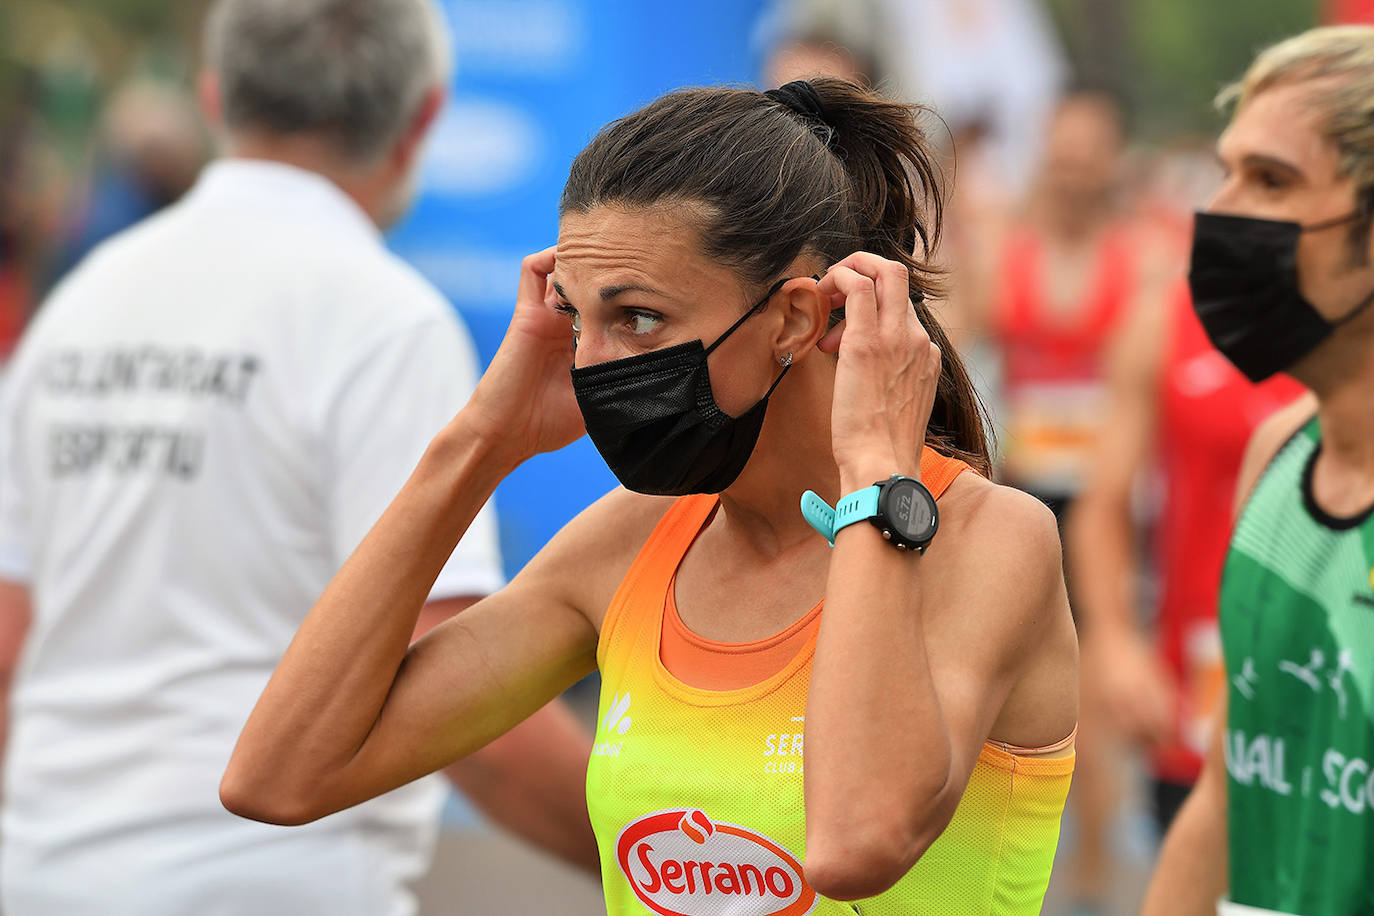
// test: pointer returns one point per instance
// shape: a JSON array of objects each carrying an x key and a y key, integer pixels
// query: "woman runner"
[{"x": 907, "y": 748}]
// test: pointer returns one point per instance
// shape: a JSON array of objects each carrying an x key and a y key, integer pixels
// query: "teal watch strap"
[
  {"x": 818, "y": 512},
  {"x": 856, "y": 507},
  {"x": 859, "y": 506}
]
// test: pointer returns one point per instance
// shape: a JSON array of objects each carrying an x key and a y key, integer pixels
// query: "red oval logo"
[{"x": 681, "y": 863}]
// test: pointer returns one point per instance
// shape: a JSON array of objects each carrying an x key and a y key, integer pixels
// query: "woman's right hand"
[{"x": 524, "y": 403}]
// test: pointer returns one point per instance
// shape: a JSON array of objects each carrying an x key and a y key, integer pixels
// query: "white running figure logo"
[
  {"x": 1306, "y": 673},
  {"x": 1311, "y": 674}
]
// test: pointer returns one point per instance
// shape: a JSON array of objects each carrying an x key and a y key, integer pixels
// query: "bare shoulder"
[
  {"x": 999, "y": 614},
  {"x": 585, "y": 561},
  {"x": 1266, "y": 441},
  {"x": 988, "y": 527},
  {"x": 1000, "y": 568}
]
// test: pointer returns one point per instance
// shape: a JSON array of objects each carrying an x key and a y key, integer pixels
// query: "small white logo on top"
[{"x": 617, "y": 722}]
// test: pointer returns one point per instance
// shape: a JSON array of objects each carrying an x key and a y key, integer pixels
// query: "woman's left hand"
[{"x": 887, "y": 374}]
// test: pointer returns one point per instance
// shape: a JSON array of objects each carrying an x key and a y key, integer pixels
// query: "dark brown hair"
[{"x": 772, "y": 184}]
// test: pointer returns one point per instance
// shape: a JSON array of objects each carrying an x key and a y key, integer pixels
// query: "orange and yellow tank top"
[{"x": 696, "y": 795}]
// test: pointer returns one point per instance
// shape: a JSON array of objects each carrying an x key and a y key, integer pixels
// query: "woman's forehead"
[{"x": 659, "y": 249}]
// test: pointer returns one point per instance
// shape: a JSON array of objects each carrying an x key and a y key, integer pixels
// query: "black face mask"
[
  {"x": 655, "y": 419},
  {"x": 1244, "y": 280}
]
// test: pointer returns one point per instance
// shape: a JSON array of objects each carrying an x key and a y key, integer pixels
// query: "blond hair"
[{"x": 1341, "y": 58}]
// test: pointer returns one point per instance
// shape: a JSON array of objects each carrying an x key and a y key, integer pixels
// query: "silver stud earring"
[{"x": 785, "y": 361}]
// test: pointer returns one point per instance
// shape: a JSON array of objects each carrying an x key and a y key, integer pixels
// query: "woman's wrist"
[
  {"x": 471, "y": 456},
  {"x": 471, "y": 434},
  {"x": 864, "y": 471}
]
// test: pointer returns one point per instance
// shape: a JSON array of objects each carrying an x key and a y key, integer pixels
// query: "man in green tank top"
[{"x": 1282, "y": 275}]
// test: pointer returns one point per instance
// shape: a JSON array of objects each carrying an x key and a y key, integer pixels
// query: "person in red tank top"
[
  {"x": 1061, "y": 279},
  {"x": 1180, "y": 409},
  {"x": 1048, "y": 295}
]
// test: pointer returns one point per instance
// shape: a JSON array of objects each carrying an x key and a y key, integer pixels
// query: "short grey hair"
[{"x": 354, "y": 71}]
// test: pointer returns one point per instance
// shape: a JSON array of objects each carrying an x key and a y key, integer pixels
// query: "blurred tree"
[
  {"x": 110, "y": 39},
  {"x": 1167, "y": 58},
  {"x": 59, "y": 61}
]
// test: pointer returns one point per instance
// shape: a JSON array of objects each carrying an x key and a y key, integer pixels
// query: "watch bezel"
[{"x": 883, "y": 520}]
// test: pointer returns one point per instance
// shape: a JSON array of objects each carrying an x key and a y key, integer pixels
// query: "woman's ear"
[{"x": 805, "y": 312}]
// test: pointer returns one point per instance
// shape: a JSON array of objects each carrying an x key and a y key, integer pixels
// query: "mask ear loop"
[
  {"x": 785, "y": 366},
  {"x": 745, "y": 317},
  {"x": 1355, "y": 312},
  {"x": 1352, "y": 216},
  {"x": 752, "y": 309}
]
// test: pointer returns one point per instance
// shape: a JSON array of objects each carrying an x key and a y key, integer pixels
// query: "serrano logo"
[{"x": 681, "y": 863}]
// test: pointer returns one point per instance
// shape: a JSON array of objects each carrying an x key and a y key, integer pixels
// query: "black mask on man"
[
  {"x": 1244, "y": 280},
  {"x": 655, "y": 420}
]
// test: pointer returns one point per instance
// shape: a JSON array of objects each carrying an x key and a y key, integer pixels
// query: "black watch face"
[{"x": 908, "y": 510}]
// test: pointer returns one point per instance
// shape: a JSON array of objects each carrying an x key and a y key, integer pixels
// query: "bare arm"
[
  {"x": 1192, "y": 869},
  {"x": 916, "y": 654},
  {"x": 1191, "y": 873},
  {"x": 1101, "y": 536},
  {"x": 531, "y": 780},
  {"x": 14, "y": 624},
  {"x": 967, "y": 313},
  {"x": 353, "y": 710},
  {"x": 916, "y": 660}
]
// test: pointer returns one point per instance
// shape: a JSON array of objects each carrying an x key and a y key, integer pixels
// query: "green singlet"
[{"x": 1297, "y": 624}]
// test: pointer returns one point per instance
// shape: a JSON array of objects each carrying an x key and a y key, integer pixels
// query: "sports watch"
[{"x": 899, "y": 507}]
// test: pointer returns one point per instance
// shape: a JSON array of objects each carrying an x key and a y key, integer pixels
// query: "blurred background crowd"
[{"x": 1078, "y": 137}]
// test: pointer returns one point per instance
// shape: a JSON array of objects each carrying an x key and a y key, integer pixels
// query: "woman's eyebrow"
[{"x": 610, "y": 292}]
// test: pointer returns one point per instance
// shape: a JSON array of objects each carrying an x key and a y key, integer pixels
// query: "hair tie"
[{"x": 801, "y": 98}]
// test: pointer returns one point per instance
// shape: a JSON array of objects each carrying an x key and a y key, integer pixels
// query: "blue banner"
[{"x": 534, "y": 81}]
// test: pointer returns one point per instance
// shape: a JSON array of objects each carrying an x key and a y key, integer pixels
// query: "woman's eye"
[
  {"x": 643, "y": 322},
  {"x": 573, "y": 316},
  {"x": 1270, "y": 181}
]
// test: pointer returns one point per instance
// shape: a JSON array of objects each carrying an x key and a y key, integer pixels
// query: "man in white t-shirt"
[{"x": 203, "y": 421}]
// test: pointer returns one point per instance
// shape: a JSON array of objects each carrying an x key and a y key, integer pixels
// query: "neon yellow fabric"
[{"x": 696, "y": 795}]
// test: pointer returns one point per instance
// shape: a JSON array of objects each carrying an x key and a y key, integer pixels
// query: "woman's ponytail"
[{"x": 897, "y": 194}]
